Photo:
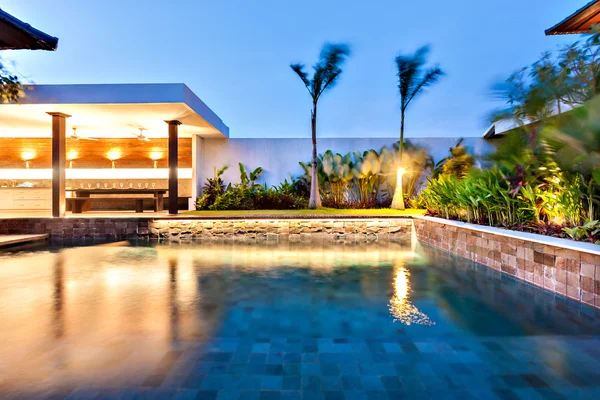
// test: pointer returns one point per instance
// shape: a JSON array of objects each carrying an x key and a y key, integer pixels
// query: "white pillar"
[{"x": 197, "y": 175}]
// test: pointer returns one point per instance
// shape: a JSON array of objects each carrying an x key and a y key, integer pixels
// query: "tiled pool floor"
[{"x": 292, "y": 321}]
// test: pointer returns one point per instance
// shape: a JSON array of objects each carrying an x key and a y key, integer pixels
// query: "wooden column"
[
  {"x": 173, "y": 173},
  {"x": 59, "y": 128}
]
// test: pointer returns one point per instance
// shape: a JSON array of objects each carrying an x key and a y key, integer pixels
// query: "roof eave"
[
  {"x": 41, "y": 40},
  {"x": 572, "y": 24}
]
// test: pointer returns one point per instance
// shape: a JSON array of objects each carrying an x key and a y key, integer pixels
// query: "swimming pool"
[{"x": 305, "y": 320}]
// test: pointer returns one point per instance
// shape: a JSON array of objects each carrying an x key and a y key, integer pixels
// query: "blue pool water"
[{"x": 319, "y": 320}]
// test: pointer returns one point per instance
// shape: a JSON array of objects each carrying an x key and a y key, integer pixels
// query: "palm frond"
[
  {"x": 431, "y": 76},
  {"x": 299, "y": 69}
]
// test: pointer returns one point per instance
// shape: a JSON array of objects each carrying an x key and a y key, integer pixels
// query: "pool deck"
[{"x": 11, "y": 240}]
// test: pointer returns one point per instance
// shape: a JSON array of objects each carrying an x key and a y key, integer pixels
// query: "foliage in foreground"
[
  {"x": 10, "y": 85},
  {"x": 545, "y": 174}
]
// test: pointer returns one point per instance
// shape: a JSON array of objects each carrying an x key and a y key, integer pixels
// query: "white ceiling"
[{"x": 103, "y": 120}]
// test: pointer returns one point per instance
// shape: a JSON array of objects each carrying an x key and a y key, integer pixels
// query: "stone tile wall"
[
  {"x": 182, "y": 229},
  {"x": 571, "y": 273},
  {"x": 189, "y": 229},
  {"x": 78, "y": 228}
]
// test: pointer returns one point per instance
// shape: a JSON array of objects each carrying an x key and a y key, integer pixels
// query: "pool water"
[{"x": 318, "y": 320}]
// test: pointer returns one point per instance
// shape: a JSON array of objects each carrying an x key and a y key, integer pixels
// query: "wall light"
[
  {"x": 72, "y": 155},
  {"x": 156, "y": 155},
  {"x": 27, "y": 156},
  {"x": 113, "y": 155}
]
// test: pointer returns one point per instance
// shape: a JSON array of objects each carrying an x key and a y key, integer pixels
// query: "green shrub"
[{"x": 589, "y": 232}]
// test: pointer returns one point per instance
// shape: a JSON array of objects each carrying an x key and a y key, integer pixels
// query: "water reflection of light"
[{"x": 400, "y": 306}]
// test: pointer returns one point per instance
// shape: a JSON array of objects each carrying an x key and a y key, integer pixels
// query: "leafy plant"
[
  {"x": 458, "y": 163},
  {"x": 249, "y": 180},
  {"x": 589, "y": 232},
  {"x": 213, "y": 188},
  {"x": 11, "y": 88}
]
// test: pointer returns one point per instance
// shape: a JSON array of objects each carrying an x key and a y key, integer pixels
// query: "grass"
[{"x": 320, "y": 211}]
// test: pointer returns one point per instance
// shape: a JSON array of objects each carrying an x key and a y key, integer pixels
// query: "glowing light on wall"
[
  {"x": 99, "y": 173},
  {"x": 156, "y": 155},
  {"x": 72, "y": 155},
  {"x": 112, "y": 155},
  {"x": 27, "y": 156}
]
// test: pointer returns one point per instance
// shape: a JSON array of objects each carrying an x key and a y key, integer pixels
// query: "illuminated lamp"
[
  {"x": 72, "y": 155},
  {"x": 27, "y": 156},
  {"x": 113, "y": 155},
  {"x": 156, "y": 155}
]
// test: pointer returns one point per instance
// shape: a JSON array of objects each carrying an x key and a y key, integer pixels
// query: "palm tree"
[
  {"x": 412, "y": 80},
  {"x": 326, "y": 73}
]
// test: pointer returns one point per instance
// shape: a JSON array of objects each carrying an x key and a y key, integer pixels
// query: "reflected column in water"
[
  {"x": 400, "y": 306},
  {"x": 174, "y": 306},
  {"x": 58, "y": 320}
]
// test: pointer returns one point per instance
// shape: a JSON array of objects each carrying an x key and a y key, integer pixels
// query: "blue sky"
[{"x": 235, "y": 55}]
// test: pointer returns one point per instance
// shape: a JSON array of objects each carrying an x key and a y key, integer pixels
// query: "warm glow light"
[
  {"x": 27, "y": 155},
  {"x": 156, "y": 155},
  {"x": 401, "y": 171},
  {"x": 94, "y": 173},
  {"x": 114, "y": 154},
  {"x": 72, "y": 155}
]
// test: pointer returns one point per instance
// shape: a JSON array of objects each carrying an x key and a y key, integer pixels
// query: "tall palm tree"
[
  {"x": 326, "y": 73},
  {"x": 413, "y": 78}
]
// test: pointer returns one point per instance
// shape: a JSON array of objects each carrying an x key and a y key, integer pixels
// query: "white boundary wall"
[{"x": 280, "y": 157}]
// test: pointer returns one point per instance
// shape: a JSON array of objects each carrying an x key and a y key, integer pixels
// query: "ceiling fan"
[
  {"x": 141, "y": 135},
  {"x": 75, "y": 136}
]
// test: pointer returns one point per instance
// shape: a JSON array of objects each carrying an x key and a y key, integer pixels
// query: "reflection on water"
[
  {"x": 106, "y": 317},
  {"x": 400, "y": 306}
]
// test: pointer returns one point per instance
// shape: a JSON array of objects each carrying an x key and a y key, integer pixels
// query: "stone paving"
[{"x": 197, "y": 323}]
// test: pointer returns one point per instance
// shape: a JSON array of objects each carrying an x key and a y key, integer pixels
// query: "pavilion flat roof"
[{"x": 111, "y": 110}]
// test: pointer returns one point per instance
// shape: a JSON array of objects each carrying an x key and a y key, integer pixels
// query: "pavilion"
[{"x": 146, "y": 122}]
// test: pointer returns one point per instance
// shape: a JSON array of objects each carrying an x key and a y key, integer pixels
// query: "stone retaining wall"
[
  {"x": 184, "y": 229},
  {"x": 78, "y": 228},
  {"x": 571, "y": 273},
  {"x": 189, "y": 229}
]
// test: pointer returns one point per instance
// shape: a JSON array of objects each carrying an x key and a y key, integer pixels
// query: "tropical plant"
[
  {"x": 458, "y": 163},
  {"x": 11, "y": 88},
  {"x": 413, "y": 78},
  {"x": 326, "y": 73},
  {"x": 249, "y": 180},
  {"x": 338, "y": 174},
  {"x": 589, "y": 232},
  {"x": 213, "y": 188}
]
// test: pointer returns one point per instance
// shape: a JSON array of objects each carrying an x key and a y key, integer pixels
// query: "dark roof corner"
[
  {"x": 580, "y": 21},
  {"x": 16, "y": 35},
  {"x": 490, "y": 133}
]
